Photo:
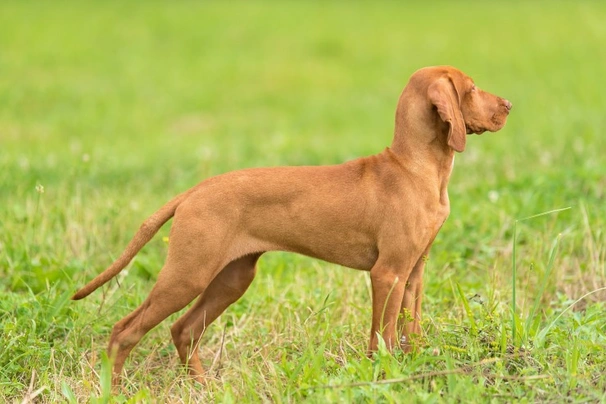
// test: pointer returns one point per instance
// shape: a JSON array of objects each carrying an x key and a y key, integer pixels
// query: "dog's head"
[{"x": 456, "y": 101}]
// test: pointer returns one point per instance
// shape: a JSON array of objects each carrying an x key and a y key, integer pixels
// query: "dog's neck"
[{"x": 421, "y": 141}]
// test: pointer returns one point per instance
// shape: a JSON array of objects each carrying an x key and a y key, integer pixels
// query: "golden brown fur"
[{"x": 379, "y": 214}]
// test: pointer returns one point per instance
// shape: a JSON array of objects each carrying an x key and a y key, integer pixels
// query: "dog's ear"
[{"x": 443, "y": 94}]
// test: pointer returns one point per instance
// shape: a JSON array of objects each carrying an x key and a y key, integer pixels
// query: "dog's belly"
[
  {"x": 333, "y": 244},
  {"x": 352, "y": 255}
]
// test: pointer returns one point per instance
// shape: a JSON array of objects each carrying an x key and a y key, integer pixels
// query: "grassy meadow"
[{"x": 107, "y": 109}]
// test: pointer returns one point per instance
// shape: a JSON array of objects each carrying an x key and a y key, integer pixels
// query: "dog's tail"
[{"x": 145, "y": 233}]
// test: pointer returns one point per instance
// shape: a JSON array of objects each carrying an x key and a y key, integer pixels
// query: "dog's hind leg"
[
  {"x": 226, "y": 288},
  {"x": 170, "y": 294}
]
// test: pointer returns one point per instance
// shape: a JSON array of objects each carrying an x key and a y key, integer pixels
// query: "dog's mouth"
[
  {"x": 471, "y": 129},
  {"x": 494, "y": 124}
]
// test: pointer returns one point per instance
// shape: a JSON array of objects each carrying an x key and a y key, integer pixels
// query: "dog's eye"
[{"x": 473, "y": 88}]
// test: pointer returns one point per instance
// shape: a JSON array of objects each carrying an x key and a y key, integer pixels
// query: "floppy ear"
[{"x": 443, "y": 94}]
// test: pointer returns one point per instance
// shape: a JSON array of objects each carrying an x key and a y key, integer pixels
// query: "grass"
[{"x": 108, "y": 109}]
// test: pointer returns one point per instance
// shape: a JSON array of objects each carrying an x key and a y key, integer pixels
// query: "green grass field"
[{"x": 109, "y": 109}]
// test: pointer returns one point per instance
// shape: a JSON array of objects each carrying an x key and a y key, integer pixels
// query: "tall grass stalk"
[{"x": 515, "y": 268}]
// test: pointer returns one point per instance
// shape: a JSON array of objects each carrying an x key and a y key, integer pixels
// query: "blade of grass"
[
  {"x": 540, "y": 339},
  {"x": 472, "y": 321},
  {"x": 546, "y": 276},
  {"x": 514, "y": 265}
]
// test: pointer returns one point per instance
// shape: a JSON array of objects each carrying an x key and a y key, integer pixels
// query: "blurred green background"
[{"x": 110, "y": 108}]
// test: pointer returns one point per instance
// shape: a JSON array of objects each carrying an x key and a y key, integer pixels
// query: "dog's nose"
[{"x": 507, "y": 104}]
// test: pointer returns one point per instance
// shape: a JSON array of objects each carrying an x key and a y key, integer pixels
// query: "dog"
[{"x": 379, "y": 214}]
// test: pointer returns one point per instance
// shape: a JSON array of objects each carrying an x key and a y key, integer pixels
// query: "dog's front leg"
[
  {"x": 410, "y": 312},
  {"x": 387, "y": 293}
]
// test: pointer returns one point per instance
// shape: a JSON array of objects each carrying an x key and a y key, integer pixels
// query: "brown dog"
[{"x": 379, "y": 214}]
